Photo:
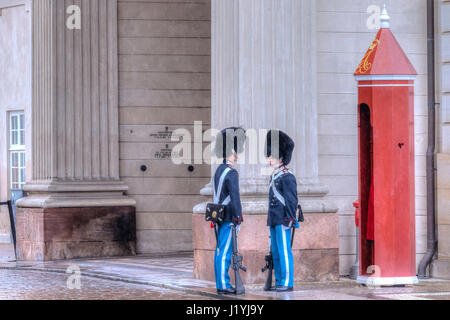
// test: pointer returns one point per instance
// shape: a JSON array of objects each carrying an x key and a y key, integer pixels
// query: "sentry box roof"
[{"x": 385, "y": 56}]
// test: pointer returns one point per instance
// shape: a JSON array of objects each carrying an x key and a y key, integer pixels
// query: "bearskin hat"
[
  {"x": 228, "y": 141},
  {"x": 280, "y": 146}
]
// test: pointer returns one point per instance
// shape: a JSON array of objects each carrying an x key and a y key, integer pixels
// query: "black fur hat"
[
  {"x": 284, "y": 144},
  {"x": 228, "y": 141}
]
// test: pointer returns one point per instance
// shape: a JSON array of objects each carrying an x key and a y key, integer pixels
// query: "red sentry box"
[{"x": 385, "y": 79}]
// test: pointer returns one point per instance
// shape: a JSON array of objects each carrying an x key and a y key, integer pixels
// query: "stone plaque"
[{"x": 165, "y": 134}]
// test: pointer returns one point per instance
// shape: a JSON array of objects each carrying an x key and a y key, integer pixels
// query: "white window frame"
[{"x": 17, "y": 148}]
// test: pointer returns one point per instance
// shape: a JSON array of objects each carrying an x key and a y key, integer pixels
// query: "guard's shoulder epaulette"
[
  {"x": 287, "y": 172},
  {"x": 232, "y": 169}
]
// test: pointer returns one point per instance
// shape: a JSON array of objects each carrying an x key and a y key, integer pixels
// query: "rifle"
[
  {"x": 237, "y": 263},
  {"x": 269, "y": 267}
]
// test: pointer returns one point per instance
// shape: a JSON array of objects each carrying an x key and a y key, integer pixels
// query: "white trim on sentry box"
[
  {"x": 384, "y": 85},
  {"x": 388, "y": 281},
  {"x": 386, "y": 77}
]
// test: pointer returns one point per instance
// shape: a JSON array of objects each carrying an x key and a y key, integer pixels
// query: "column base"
[
  {"x": 316, "y": 246},
  {"x": 440, "y": 269},
  {"x": 388, "y": 281},
  {"x": 45, "y": 234},
  {"x": 75, "y": 194}
]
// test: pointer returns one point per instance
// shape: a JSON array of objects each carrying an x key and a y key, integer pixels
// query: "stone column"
[
  {"x": 264, "y": 77},
  {"x": 75, "y": 129}
]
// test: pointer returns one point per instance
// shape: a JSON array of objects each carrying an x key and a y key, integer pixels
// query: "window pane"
[
  {"x": 14, "y": 175},
  {"x": 22, "y": 137},
  {"x": 22, "y": 159},
  {"x": 22, "y": 121},
  {"x": 22, "y": 176},
  {"x": 14, "y": 138},
  {"x": 14, "y": 122},
  {"x": 14, "y": 159}
]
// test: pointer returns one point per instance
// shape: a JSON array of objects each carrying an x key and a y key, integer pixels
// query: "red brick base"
[{"x": 71, "y": 233}]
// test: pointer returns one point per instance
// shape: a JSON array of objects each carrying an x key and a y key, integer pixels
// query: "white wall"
[
  {"x": 343, "y": 39},
  {"x": 15, "y": 86}
]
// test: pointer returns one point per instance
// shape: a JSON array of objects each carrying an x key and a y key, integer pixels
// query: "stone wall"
[
  {"x": 164, "y": 84},
  {"x": 15, "y": 87},
  {"x": 342, "y": 40}
]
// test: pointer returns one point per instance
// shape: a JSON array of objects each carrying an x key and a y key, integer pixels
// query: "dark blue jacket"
[
  {"x": 233, "y": 211},
  {"x": 278, "y": 213}
]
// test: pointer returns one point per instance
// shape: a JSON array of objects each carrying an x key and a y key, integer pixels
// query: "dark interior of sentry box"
[{"x": 367, "y": 250}]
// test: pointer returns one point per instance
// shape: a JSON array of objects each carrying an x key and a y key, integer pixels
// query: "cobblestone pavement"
[
  {"x": 34, "y": 285},
  {"x": 171, "y": 277}
]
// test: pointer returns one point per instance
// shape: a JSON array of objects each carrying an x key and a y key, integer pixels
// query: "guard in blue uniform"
[
  {"x": 229, "y": 143},
  {"x": 283, "y": 204}
]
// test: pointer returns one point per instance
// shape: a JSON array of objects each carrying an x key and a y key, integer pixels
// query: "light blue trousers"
[
  {"x": 283, "y": 259},
  {"x": 222, "y": 257}
]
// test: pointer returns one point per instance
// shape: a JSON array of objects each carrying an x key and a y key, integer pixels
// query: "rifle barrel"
[{"x": 240, "y": 289}]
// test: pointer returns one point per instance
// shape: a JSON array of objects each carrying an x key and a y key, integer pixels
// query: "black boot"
[
  {"x": 228, "y": 291},
  {"x": 271, "y": 289},
  {"x": 284, "y": 289}
]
